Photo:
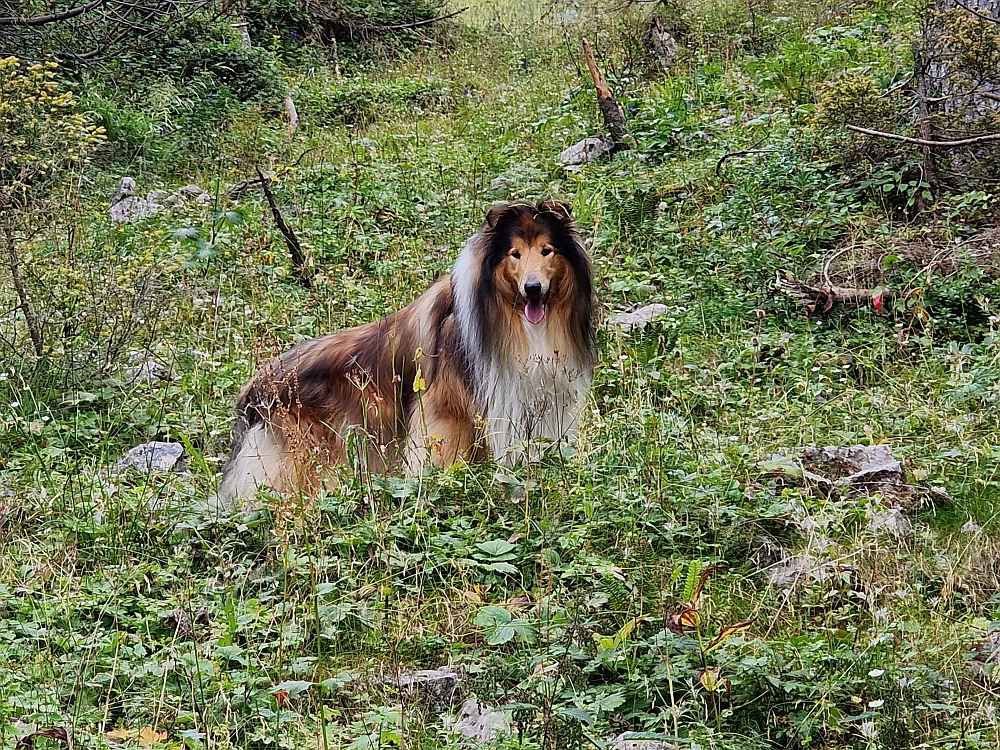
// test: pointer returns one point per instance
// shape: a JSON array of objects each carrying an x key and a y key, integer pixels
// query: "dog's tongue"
[{"x": 534, "y": 312}]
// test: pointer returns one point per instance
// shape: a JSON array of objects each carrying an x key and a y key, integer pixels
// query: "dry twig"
[
  {"x": 923, "y": 141},
  {"x": 299, "y": 261},
  {"x": 614, "y": 118}
]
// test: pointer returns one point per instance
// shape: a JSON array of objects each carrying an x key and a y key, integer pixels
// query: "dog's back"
[{"x": 296, "y": 414}]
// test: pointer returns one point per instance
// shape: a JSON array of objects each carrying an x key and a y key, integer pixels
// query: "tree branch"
[
  {"x": 52, "y": 17},
  {"x": 976, "y": 13},
  {"x": 614, "y": 118},
  {"x": 302, "y": 271},
  {"x": 923, "y": 141}
]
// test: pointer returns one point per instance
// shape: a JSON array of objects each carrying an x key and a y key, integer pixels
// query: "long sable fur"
[{"x": 456, "y": 374}]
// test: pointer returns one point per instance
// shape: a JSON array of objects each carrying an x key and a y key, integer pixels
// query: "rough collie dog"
[{"x": 499, "y": 354}]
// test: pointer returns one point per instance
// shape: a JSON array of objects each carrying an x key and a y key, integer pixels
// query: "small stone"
[
  {"x": 586, "y": 150},
  {"x": 481, "y": 724},
  {"x": 145, "y": 370},
  {"x": 805, "y": 569},
  {"x": 726, "y": 121},
  {"x": 629, "y": 741},
  {"x": 435, "y": 688},
  {"x": 156, "y": 457},
  {"x": 891, "y": 521},
  {"x": 191, "y": 190},
  {"x": 126, "y": 206},
  {"x": 638, "y": 318},
  {"x": 971, "y": 527}
]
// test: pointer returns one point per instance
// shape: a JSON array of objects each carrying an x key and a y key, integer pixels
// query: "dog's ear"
[
  {"x": 496, "y": 213},
  {"x": 560, "y": 209}
]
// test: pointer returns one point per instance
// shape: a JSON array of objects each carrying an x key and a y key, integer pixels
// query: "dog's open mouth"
[{"x": 534, "y": 310}]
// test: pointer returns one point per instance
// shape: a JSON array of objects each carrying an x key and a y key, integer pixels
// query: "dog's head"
[{"x": 536, "y": 257}]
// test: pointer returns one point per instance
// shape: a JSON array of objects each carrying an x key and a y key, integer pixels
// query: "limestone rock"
[
  {"x": 634, "y": 741},
  {"x": 638, "y": 318},
  {"x": 481, "y": 724},
  {"x": 437, "y": 689},
  {"x": 890, "y": 521},
  {"x": 156, "y": 457},
  {"x": 586, "y": 150}
]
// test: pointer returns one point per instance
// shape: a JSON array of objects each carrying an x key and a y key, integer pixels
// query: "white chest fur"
[{"x": 534, "y": 394}]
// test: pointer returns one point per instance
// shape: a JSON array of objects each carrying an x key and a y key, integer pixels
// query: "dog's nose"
[{"x": 533, "y": 288}]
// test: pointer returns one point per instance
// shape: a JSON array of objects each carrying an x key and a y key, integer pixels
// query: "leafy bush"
[
  {"x": 323, "y": 101},
  {"x": 44, "y": 136},
  {"x": 358, "y": 28},
  {"x": 249, "y": 73}
]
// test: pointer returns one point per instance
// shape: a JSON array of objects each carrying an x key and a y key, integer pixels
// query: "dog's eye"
[
  {"x": 546, "y": 251},
  {"x": 515, "y": 255}
]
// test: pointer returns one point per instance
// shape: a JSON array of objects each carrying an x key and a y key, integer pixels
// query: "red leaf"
[
  {"x": 877, "y": 302},
  {"x": 280, "y": 697}
]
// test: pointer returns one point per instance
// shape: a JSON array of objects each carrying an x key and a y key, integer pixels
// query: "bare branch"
[
  {"x": 923, "y": 141},
  {"x": 299, "y": 261},
  {"x": 614, "y": 118},
  {"x": 977, "y": 13},
  {"x": 52, "y": 17},
  {"x": 817, "y": 299}
]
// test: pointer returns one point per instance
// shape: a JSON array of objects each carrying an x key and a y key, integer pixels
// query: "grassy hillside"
[{"x": 129, "y": 620}]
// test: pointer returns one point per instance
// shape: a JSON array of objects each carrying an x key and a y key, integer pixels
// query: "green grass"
[{"x": 120, "y": 610}]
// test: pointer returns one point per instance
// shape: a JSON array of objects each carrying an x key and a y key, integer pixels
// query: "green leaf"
[
  {"x": 495, "y": 548},
  {"x": 502, "y": 567},
  {"x": 292, "y": 687},
  {"x": 607, "y": 702}
]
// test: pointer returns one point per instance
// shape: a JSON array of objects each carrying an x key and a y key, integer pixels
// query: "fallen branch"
[
  {"x": 923, "y": 141},
  {"x": 614, "y": 118},
  {"x": 740, "y": 155},
  {"x": 816, "y": 299},
  {"x": 299, "y": 261}
]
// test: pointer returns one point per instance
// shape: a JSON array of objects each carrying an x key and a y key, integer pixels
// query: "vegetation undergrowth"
[{"x": 577, "y": 593}]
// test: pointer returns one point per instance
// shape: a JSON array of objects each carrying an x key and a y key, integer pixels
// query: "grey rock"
[
  {"x": 481, "y": 724},
  {"x": 437, "y": 689},
  {"x": 805, "y": 569},
  {"x": 865, "y": 469},
  {"x": 971, "y": 527},
  {"x": 726, "y": 121},
  {"x": 634, "y": 741},
  {"x": 145, "y": 370},
  {"x": 586, "y": 150},
  {"x": 157, "y": 457},
  {"x": 204, "y": 199},
  {"x": 566, "y": 17},
  {"x": 502, "y": 185},
  {"x": 126, "y": 206},
  {"x": 191, "y": 190},
  {"x": 638, "y": 318},
  {"x": 891, "y": 522}
]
